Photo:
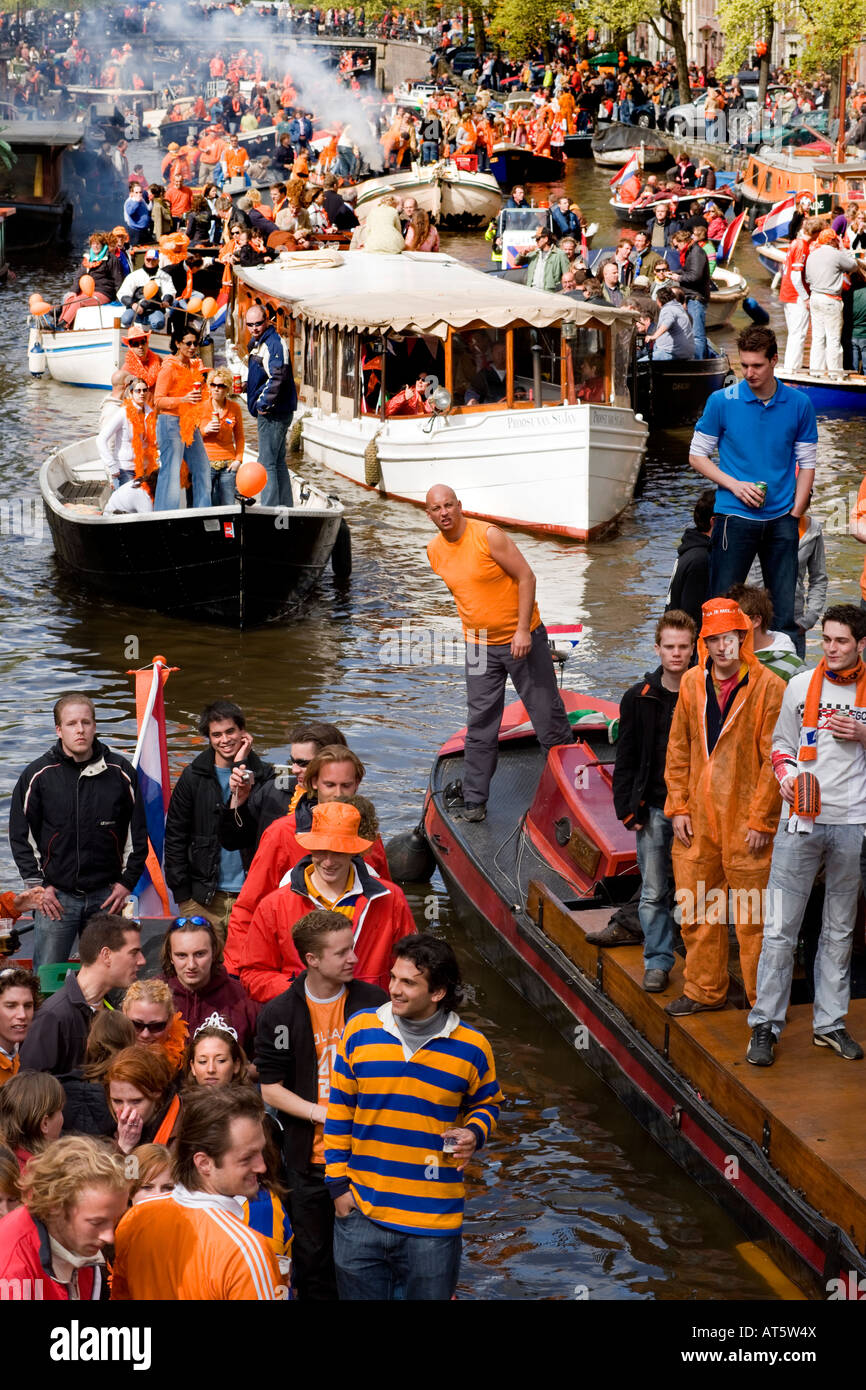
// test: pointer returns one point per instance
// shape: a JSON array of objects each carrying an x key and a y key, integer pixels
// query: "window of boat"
[
  {"x": 327, "y": 365},
  {"x": 478, "y": 366},
  {"x": 549, "y": 340},
  {"x": 413, "y": 365},
  {"x": 372, "y": 355},
  {"x": 584, "y": 363},
  {"x": 311, "y": 348},
  {"x": 348, "y": 364}
]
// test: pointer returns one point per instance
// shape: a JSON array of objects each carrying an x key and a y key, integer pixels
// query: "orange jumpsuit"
[{"x": 725, "y": 792}]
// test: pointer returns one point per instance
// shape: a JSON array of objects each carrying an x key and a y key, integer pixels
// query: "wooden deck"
[{"x": 806, "y": 1111}]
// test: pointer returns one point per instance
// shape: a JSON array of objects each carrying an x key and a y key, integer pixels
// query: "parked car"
[{"x": 687, "y": 122}]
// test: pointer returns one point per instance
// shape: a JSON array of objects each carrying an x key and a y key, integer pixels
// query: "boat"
[
  {"x": 579, "y": 146},
  {"x": 183, "y": 132},
  {"x": 612, "y": 145},
  {"x": 671, "y": 394},
  {"x": 771, "y": 254},
  {"x": 729, "y": 289},
  {"x": 5, "y": 214},
  {"x": 452, "y": 196},
  {"x": 514, "y": 233},
  {"x": 239, "y": 565},
  {"x": 685, "y": 204},
  {"x": 88, "y": 353},
  {"x": 541, "y": 872},
  {"x": 846, "y": 392},
  {"x": 771, "y": 175},
  {"x": 510, "y": 164},
  {"x": 36, "y": 184},
  {"x": 560, "y": 454}
]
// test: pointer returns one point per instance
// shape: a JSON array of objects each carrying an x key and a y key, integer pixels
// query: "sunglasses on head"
[
  {"x": 141, "y": 1027},
  {"x": 190, "y": 922}
]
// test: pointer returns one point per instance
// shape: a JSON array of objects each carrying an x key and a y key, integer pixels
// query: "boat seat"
[{"x": 69, "y": 491}]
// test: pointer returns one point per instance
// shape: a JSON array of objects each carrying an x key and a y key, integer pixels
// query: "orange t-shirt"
[
  {"x": 235, "y": 161},
  {"x": 485, "y": 595},
  {"x": 328, "y": 1017},
  {"x": 228, "y": 442}
]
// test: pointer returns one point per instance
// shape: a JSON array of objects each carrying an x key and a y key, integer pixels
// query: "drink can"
[
  {"x": 762, "y": 488},
  {"x": 236, "y": 385}
]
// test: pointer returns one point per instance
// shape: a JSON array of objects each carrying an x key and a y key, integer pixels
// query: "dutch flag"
[
  {"x": 729, "y": 240},
  {"x": 151, "y": 762},
  {"x": 565, "y": 634},
  {"x": 632, "y": 166},
  {"x": 777, "y": 222}
]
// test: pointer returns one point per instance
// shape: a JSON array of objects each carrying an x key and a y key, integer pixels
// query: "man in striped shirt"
[{"x": 414, "y": 1094}]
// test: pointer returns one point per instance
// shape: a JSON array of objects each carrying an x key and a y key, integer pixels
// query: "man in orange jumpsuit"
[{"x": 724, "y": 801}]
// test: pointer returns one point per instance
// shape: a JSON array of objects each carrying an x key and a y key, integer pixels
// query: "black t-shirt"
[{"x": 432, "y": 129}]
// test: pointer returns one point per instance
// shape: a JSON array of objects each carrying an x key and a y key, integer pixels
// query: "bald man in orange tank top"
[{"x": 494, "y": 589}]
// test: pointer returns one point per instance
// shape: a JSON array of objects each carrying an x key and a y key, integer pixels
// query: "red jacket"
[
  {"x": 25, "y": 1255},
  {"x": 276, "y": 856},
  {"x": 380, "y": 917}
]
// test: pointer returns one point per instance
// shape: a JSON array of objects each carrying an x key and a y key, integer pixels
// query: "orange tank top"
[{"x": 485, "y": 595}]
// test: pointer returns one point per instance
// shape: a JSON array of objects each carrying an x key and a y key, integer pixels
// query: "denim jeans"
[
  {"x": 222, "y": 487},
  {"x": 153, "y": 322},
  {"x": 697, "y": 312},
  {"x": 796, "y": 861},
  {"x": 375, "y": 1263},
  {"x": 123, "y": 475},
  {"x": 54, "y": 940},
  {"x": 172, "y": 451},
  {"x": 858, "y": 350},
  {"x": 272, "y": 457},
  {"x": 429, "y": 151},
  {"x": 654, "y": 843},
  {"x": 737, "y": 540}
]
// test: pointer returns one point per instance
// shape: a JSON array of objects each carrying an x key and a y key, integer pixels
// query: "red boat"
[{"x": 528, "y": 884}]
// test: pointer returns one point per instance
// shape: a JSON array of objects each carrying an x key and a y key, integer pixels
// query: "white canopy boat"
[
  {"x": 729, "y": 290},
  {"x": 393, "y": 359},
  {"x": 448, "y": 194},
  {"x": 87, "y": 353}
]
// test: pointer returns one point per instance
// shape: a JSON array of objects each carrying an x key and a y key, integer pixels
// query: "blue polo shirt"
[{"x": 759, "y": 441}]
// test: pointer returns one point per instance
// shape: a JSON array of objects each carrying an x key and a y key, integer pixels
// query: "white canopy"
[{"x": 414, "y": 292}]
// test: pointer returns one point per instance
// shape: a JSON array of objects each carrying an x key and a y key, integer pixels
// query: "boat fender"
[
  {"x": 372, "y": 467},
  {"x": 409, "y": 856},
  {"x": 295, "y": 437},
  {"x": 36, "y": 362},
  {"x": 757, "y": 313},
  {"x": 341, "y": 555}
]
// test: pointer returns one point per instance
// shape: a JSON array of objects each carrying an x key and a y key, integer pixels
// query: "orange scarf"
[
  {"x": 808, "y": 750},
  {"x": 142, "y": 427},
  {"x": 173, "y": 1045},
  {"x": 148, "y": 370}
]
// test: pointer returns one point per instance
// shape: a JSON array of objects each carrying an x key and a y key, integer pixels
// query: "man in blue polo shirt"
[{"x": 765, "y": 432}]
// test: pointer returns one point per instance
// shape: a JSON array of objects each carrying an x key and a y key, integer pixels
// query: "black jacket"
[
  {"x": 639, "y": 713},
  {"x": 86, "y": 821},
  {"x": 192, "y": 843},
  {"x": 289, "y": 1059},
  {"x": 86, "y": 1110},
  {"x": 690, "y": 581},
  {"x": 57, "y": 1037},
  {"x": 268, "y": 801},
  {"x": 695, "y": 274}
]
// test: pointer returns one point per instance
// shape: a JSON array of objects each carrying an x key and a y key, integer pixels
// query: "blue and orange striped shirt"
[{"x": 387, "y": 1112}]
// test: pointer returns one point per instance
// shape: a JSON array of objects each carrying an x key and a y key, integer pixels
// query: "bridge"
[{"x": 394, "y": 60}]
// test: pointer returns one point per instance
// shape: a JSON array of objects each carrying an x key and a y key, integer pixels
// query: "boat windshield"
[{"x": 522, "y": 219}]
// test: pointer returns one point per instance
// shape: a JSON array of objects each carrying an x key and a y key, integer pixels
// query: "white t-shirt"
[
  {"x": 126, "y": 499},
  {"x": 841, "y": 764}
]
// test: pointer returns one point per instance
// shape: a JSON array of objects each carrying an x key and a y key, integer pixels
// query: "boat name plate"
[
  {"x": 211, "y": 523},
  {"x": 584, "y": 853}
]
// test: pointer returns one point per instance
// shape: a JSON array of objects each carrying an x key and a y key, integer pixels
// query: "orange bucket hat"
[
  {"x": 720, "y": 615},
  {"x": 335, "y": 827}
]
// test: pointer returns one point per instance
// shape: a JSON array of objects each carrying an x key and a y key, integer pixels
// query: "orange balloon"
[
  {"x": 209, "y": 307},
  {"x": 193, "y": 304},
  {"x": 250, "y": 478},
  {"x": 87, "y": 284},
  {"x": 151, "y": 290}
]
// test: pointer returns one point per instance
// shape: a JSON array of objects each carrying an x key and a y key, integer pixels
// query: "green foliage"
[
  {"x": 521, "y": 24},
  {"x": 743, "y": 22},
  {"x": 830, "y": 28},
  {"x": 7, "y": 158}
]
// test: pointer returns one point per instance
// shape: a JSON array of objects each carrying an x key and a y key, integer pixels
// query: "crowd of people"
[{"x": 218, "y": 1126}]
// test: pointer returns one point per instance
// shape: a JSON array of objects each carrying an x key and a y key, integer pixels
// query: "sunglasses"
[
  {"x": 190, "y": 922},
  {"x": 256, "y": 323},
  {"x": 149, "y": 1027},
  {"x": 189, "y": 342},
  {"x": 301, "y": 762}
]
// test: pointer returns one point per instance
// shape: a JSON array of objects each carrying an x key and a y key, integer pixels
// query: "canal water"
[{"x": 571, "y": 1194}]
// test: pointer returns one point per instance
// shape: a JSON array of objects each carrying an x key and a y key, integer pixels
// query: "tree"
[
  {"x": 666, "y": 17},
  {"x": 521, "y": 25},
  {"x": 748, "y": 27}
]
